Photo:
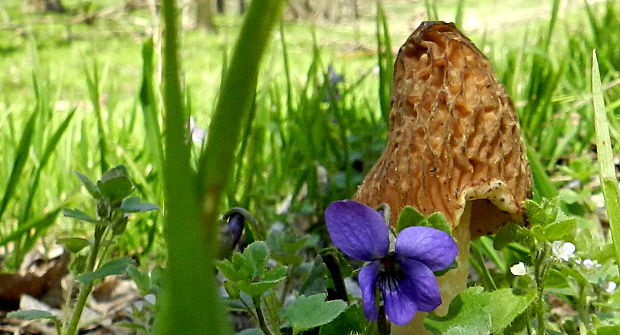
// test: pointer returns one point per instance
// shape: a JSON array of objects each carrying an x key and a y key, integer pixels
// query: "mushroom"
[{"x": 454, "y": 146}]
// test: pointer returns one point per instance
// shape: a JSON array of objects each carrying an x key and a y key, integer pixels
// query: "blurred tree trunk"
[
  {"x": 221, "y": 7},
  {"x": 54, "y": 6},
  {"x": 205, "y": 10},
  {"x": 332, "y": 11}
]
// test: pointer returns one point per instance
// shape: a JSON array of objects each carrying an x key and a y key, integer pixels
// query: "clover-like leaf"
[
  {"x": 133, "y": 205},
  {"x": 73, "y": 244},
  {"x": 92, "y": 189},
  {"x": 78, "y": 214},
  {"x": 32, "y": 314},
  {"x": 113, "y": 267},
  {"x": 115, "y": 184}
]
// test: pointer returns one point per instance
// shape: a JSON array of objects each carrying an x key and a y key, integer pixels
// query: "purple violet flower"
[{"x": 404, "y": 276}]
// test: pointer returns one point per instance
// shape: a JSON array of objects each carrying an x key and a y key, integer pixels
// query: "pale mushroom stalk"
[{"x": 454, "y": 146}]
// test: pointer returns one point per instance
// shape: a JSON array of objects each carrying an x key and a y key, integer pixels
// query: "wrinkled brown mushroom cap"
[{"x": 454, "y": 136}]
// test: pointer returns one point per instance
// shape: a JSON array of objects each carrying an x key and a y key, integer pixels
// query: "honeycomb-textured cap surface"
[{"x": 454, "y": 136}]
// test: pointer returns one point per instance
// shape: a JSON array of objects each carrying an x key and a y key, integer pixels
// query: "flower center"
[{"x": 390, "y": 272}]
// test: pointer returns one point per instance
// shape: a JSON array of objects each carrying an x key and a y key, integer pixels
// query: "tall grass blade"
[
  {"x": 192, "y": 305},
  {"x": 287, "y": 68},
  {"x": 543, "y": 187},
  {"x": 431, "y": 10},
  {"x": 554, "y": 18},
  {"x": 23, "y": 246},
  {"x": 385, "y": 60},
  {"x": 149, "y": 104},
  {"x": 458, "y": 17},
  {"x": 21, "y": 156},
  {"x": 607, "y": 170},
  {"x": 235, "y": 99},
  {"x": 190, "y": 300},
  {"x": 93, "y": 81},
  {"x": 38, "y": 224},
  {"x": 47, "y": 153}
]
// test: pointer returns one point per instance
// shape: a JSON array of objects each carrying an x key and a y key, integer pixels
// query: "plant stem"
[
  {"x": 334, "y": 271},
  {"x": 582, "y": 309},
  {"x": 261, "y": 320},
  {"x": 383, "y": 326},
  {"x": 540, "y": 270},
  {"x": 85, "y": 288}
]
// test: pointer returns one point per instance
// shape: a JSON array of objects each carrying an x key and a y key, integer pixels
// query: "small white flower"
[
  {"x": 150, "y": 298},
  {"x": 198, "y": 134},
  {"x": 610, "y": 286},
  {"x": 563, "y": 250},
  {"x": 518, "y": 269},
  {"x": 589, "y": 264}
]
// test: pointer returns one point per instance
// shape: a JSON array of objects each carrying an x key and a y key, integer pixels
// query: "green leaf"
[
  {"x": 90, "y": 186},
  {"x": 608, "y": 330},
  {"x": 131, "y": 325},
  {"x": 142, "y": 279},
  {"x": 513, "y": 233},
  {"x": 316, "y": 282},
  {"x": 115, "y": 184},
  {"x": 256, "y": 255},
  {"x": 543, "y": 213},
  {"x": 228, "y": 270},
  {"x": 343, "y": 263},
  {"x": 250, "y": 331},
  {"x": 277, "y": 273},
  {"x": 559, "y": 230},
  {"x": 313, "y": 311},
  {"x": 480, "y": 312},
  {"x": 438, "y": 221},
  {"x": 114, "y": 267},
  {"x": 73, "y": 244},
  {"x": 256, "y": 289},
  {"x": 409, "y": 217},
  {"x": 78, "y": 214},
  {"x": 133, "y": 205},
  {"x": 119, "y": 171},
  {"x": 32, "y": 314},
  {"x": 351, "y": 321}
]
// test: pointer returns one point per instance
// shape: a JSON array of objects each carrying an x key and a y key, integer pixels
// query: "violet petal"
[
  {"x": 368, "y": 283},
  {"x": 357, "y": 230},
  {"x": 399, "y": 307},
  {"x": 420, "y": 285},
  {"x": 433, "y": 247}
]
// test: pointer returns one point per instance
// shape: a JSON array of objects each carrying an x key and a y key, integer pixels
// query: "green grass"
[{"x": 95, "y": 100}]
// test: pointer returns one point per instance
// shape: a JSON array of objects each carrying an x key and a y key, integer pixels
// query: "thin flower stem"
[
  {"x": 528, "y": 324},
  {"x": 334, "y": 271},
  {"x": 86, "y": 288},
  {"x": 541, "y": 266},
  {"x": 272, "y": 306},
  {"x": 383, "y": 325},
  {"x": 261, "y": 320},
  {"x": 287, "y": 285},
  {"x": 582, "y": 310}
]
